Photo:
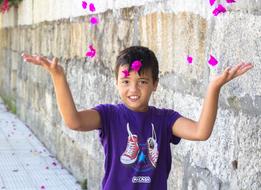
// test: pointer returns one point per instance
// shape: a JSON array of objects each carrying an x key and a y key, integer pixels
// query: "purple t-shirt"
[{"x": 136, "y": 146}]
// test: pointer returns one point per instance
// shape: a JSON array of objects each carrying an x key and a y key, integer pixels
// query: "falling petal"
[
  {"x": 42, "y": 187},
  {"x": 212, "y": 61},
  {"x": 189, "y": 59},
  {"x": 94, "y": 20},
  {"x": 92, "y": 7},
  {"x": 136, "y": 65},
  {"x": 219, "y": 9},
  {"x": 92, "y": 52},
  {"x": 91, "y": 48},
  {"x": 231, "y": 1},
  {"x": 84, "y": 5},
  {"x": 125, "y": 73},
  {"x": 212, "y": 2}
]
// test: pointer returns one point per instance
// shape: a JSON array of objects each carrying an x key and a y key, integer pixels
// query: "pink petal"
[
  {"x": 42, "y": 187},
  {"x": 231, "y": 1},
  {"x": 125, "y": 73},
  {"x": 92, "y": 7},
  {"x": 212, "y": 61},
  {"x": 84, "y": 5},
  {"x": 189, "y": 59},
  {"x": 94, "y": 20},
  {"x": 219, "y": 9},
  {"x": 91, "y": 48},
  {"x": 136, "y": 65},
  {"x": 212, "y": 2},
  {"x": 92, "y": 52}
]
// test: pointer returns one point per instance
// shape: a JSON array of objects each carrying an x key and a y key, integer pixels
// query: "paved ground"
[{"x": 25, "y": 164}]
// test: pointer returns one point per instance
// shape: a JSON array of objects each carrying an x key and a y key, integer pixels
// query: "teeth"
[{"x": 134, "y": 97}]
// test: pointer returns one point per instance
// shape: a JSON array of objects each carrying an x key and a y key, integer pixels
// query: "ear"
[
  {"x": 116, "y": 83},
  {"x": 155, "y": 85}
]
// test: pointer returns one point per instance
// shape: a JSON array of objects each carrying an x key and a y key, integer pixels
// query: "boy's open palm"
[
  {"x": 51, "y": 66},
  {"x": 231, "y": 73}
]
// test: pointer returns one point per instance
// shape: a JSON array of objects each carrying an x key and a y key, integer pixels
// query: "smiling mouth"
[{"x": 133, "y": 98}]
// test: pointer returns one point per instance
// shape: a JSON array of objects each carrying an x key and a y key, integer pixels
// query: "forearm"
[
  {"x": 209, "y": 112},
  {"x": 64, "y": 99}
]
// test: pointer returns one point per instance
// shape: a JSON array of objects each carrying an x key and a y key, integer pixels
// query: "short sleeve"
[
  {"x": 172, "y": 117},
  {"x": 102, "y": 109}
]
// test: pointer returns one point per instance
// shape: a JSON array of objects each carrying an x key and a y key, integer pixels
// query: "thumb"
[{"x": 55, "y": 61}]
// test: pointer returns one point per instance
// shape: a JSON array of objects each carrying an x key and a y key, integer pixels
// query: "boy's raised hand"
[
  {"x": 231, "y": 73},
  {"x": 51, "y": 66}
]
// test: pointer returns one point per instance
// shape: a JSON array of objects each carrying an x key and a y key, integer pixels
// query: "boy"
[{"x": 136, "y": 137}]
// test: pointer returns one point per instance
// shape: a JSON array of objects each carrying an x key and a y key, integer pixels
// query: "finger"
[
  {"x": 33, "y": 60},
  {"x": 44, "y": 61},
  {"x": 55, "y": 62},
  {"x": 27, "y": 56},
  {"x": 244, "y": 69},
  {"x": 226, "y": 72},
  {"x": 234, "y": 70}
]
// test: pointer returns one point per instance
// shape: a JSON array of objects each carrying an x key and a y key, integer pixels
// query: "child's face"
[{"x": 135, "y": 90}]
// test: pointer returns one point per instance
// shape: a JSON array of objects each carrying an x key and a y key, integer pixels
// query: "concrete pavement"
[{"x": 25, "y": 164}]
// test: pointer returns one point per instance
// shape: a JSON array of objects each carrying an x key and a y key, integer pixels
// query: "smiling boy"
[{"x": 136, "y": 137}]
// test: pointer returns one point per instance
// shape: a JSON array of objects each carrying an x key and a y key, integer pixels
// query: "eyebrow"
[{"x": 144, "y": 78}]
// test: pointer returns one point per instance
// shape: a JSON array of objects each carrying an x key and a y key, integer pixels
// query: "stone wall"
[{"x": 229, "y": 159}]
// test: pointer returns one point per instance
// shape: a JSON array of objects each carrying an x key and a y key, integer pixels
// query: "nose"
[{"x": 133, "y": 87}]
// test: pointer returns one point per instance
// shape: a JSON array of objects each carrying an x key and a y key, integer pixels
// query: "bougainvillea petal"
[
  {"x": 220, "y": 9},
  {"x": 125, "y": 73},
  {"x": 92, "y": 52},
  {"x": 94, "y": 20},
  {"x": 212, "y": 61},
  {"x": 136, "y": 65},
  {"x": 189, "y": 59},
  {"x": 91, "y": 48},
  {"x": 212, "y": 2},
  {"x": 84, "y": 5},
  {"x": 231, "y": 1},
  {"x": 92, "y": 7}
]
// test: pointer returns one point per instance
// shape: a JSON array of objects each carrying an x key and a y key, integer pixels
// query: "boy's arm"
[
  {"x": 82, "y": 121},
  {"x": 201, "y": 130}
]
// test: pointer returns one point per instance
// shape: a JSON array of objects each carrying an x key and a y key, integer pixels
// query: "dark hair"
[{"x": 143, "y": 54}]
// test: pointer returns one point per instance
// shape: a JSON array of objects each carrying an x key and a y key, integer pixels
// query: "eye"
[
  {"x": 143, "y": 82},
  {"x": 125, "y": 82}
]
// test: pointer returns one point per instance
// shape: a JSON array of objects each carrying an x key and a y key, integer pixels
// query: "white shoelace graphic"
[
  {"x": 153, "y": 152},
  {"x": 131, "y": 144}
]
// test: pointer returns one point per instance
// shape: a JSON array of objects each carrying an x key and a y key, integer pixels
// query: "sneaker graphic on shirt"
[
  {"x": 131, "y": 152},
  {"x": 153, "y": 148}
]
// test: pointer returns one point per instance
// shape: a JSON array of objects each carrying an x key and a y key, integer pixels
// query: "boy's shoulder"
[
  {"x": 161, "y": 111},
  {"x": 107, "y": 107}
]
